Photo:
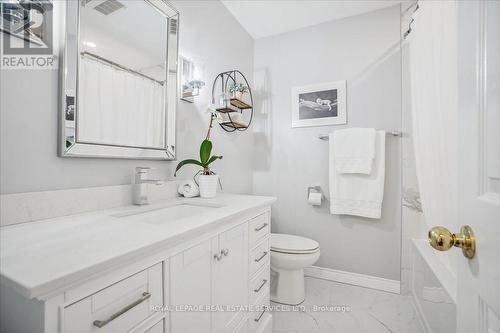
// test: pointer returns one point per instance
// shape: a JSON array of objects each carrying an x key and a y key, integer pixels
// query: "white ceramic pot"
[
  {"x": 238, "y": 94},
  {"x": 208, "y": 185}
]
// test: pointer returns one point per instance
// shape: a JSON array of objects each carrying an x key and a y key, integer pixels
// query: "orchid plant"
[{"x": 206, "y": 157}]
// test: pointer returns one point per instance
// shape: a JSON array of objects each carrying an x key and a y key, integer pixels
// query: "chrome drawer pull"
[
  {"x": 101, "y": 323},
  {"x": 261, "y": 257},
  {"x": 261, "y": 227},
  {"x": 257, "y": 319},
  {"x": 260, "y": 287}
]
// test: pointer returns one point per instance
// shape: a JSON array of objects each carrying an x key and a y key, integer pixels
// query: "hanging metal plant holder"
[{"x": 233, "y": 99}]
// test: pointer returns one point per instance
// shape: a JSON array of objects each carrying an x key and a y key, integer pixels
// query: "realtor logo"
[{"x": 27, "y": 34}]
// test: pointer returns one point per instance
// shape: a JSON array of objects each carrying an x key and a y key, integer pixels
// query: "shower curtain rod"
[
  {"x": 407, "y": 32},
  {"x": 123, "y": 68},
  {"x": 326, "y": 137}
]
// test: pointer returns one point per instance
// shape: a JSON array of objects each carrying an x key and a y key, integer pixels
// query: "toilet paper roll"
[
  {"x": 315, "y": 198},
  {"x": 188, "y": 189}
]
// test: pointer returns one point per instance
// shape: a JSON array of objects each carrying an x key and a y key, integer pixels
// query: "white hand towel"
[
  {"x": 188, "y": 189},
  {"x": 354, "y": 150},
  {"x": 359, "y": 194}
]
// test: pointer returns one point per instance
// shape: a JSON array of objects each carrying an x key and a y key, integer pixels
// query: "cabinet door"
[
  {"x": 230, "y": 278},
  {"x": 190, "y": 286}
]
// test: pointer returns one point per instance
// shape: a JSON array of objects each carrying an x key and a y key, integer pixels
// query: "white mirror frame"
[{"x": 71, "y": 22}]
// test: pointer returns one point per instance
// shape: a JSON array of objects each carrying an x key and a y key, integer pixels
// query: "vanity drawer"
[
  {"x": 259, "y": 256},
  {"x": 259, "y": 227},
  {"x": 259, "y": 319},
  {"x": 259, "y": 284},
  {"x": 119, "y": 307}
]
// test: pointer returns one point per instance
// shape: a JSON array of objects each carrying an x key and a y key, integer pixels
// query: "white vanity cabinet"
[
  {"x": 210, "y": 276},
  {"x": 214, "y": 281}
]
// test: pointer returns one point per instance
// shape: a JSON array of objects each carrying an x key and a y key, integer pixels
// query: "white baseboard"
[{"x": 356, "y": 279}]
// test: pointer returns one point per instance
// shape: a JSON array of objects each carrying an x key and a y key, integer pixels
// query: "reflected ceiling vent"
[{"x": 109, "y": 6}]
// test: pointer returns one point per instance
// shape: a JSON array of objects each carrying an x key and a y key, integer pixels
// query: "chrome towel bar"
[{"x": 326, "y": 137}]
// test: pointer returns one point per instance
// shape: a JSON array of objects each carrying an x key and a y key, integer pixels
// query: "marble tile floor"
[{"x": 358, "y": 310}]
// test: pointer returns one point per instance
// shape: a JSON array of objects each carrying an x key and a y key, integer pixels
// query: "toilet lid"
[{"x": 293, "y": 244}]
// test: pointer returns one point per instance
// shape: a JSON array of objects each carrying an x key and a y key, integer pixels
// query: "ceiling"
[{"x": 271, "y": 17}]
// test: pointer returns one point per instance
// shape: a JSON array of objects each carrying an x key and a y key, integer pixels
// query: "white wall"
[
  {"x": 29, "y": 116},
  {"x": 365, "y": 51}
]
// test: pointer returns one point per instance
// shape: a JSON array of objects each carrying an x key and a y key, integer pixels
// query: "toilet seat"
[{"x": 292, "y": 244}]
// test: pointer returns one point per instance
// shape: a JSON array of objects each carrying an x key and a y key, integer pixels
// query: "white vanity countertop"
[{"x": 39, "y": 257}]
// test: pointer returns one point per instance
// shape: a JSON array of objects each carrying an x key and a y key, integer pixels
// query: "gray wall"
[
  {"x": 365, "y": 51},
  {"x": 29, "y": 114}
]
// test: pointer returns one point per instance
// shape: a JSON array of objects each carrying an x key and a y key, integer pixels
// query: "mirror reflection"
[{"x": 122, "y": 74}]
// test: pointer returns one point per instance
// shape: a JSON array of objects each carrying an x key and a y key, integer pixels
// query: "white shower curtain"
[
  {"x": 120, "y": 108},
  {"x": 433, "y": 70}
]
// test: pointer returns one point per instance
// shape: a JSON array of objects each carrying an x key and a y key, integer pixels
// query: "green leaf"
[
  {"x": 205, "y": 151},
  {"x": 212, "y": 159},
  {"x": 183, "y": 163}
]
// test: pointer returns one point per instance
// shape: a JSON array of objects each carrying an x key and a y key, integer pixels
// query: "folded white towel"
[
  {"x": 359, "y": 194},
  {"x": 188, "y": 189},
  {"x": 354, "y": 150}
]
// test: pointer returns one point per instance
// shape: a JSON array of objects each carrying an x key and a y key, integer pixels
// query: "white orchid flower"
[{"x": 212, "y": 109}]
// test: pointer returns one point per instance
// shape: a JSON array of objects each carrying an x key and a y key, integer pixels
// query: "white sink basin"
[{"x": 158, "y": 215}]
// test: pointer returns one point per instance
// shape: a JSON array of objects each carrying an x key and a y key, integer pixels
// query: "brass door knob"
[{"x": 442, "y": 239}]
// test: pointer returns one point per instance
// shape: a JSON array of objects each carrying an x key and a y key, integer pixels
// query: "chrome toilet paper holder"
[{"x": 313, "y": 189}]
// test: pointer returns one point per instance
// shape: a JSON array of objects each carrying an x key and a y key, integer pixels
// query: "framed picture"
[{"x": 319, "y": 104}]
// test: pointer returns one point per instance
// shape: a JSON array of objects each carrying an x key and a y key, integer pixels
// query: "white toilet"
[{"x": 289, "y": 256}]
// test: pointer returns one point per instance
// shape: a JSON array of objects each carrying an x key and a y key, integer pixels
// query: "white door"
[
  {"x": 191, "y": 285},
  {"x": 478, "y": 302},
  {"x": 230, "y": 280}
]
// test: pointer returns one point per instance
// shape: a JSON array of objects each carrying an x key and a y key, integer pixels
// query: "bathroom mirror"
[{"x": 119, "y": 79}]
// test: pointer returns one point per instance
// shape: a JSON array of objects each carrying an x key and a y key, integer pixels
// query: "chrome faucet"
[
  {"x": 141, "y": 174},
  {"x": 140, "y": 185}
]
